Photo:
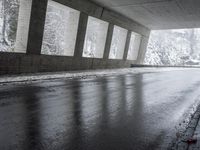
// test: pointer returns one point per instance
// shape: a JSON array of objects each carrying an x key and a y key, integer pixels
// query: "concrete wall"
[
  {"x": 12, "y": 63},
  {"x": 33, "y": 61}
]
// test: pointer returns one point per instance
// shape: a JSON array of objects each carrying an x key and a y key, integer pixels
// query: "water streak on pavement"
[{"x": 124, "y": 112}]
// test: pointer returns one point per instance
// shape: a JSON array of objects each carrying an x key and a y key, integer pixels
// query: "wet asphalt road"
[{"x": 125, "y": 112}]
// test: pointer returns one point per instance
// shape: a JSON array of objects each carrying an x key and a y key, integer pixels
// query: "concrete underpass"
[{"x": 72, "y": 76}]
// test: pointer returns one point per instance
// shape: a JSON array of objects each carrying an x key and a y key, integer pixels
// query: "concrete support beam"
[
  {"x": 128, "y": 39},
  {"x": 36, "y": 28},
  {"x": 92, "y": 9},
  {"x": 108, "y": 41},
  {"x": 142, "y": 50},
  {"x": 81, "y": 35},
  {"x": 124, "y": 22},
  {"x": 85, "y": 6}
]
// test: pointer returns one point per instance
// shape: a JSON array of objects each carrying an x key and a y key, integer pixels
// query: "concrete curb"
[
  {"x": 77, "y": 74},
  {"x": 181, "y": 143}
]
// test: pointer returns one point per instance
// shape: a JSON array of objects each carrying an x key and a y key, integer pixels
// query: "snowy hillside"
[
  {"x": 9, "y": 10},
  {"x": 174, "y": 47}
]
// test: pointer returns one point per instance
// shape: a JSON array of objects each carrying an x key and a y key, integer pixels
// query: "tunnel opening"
[{"x": 175, "y": 47}]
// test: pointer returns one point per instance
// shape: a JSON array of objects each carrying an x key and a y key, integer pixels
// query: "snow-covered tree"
[
  {"x": 9, "y": 10},
  {"x": 174, "y": 47},
  {"x": 60, "y": 29}
]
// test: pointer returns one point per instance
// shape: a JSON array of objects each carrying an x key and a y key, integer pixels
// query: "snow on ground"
[{"x": 80, "y": 74}]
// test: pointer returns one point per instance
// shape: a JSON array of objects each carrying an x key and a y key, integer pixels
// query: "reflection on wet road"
[{"x": 126, "y": 112}]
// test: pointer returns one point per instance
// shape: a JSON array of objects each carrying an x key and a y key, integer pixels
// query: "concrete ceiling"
[{"x": 158, "y": 14}]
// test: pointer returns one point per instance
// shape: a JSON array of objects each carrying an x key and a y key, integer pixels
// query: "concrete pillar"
[
  {"x": 23, "y": 26},
  {"x": 142, "y": 50},
  {"x": 36, "y": 27},
  {"x": 108, "y": 41},
  {"x": 128, "y": 39},
  {"x": 81, "y": 35}
]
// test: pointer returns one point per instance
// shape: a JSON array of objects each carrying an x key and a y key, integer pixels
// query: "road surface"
[{"x": 134, "y": 111}]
